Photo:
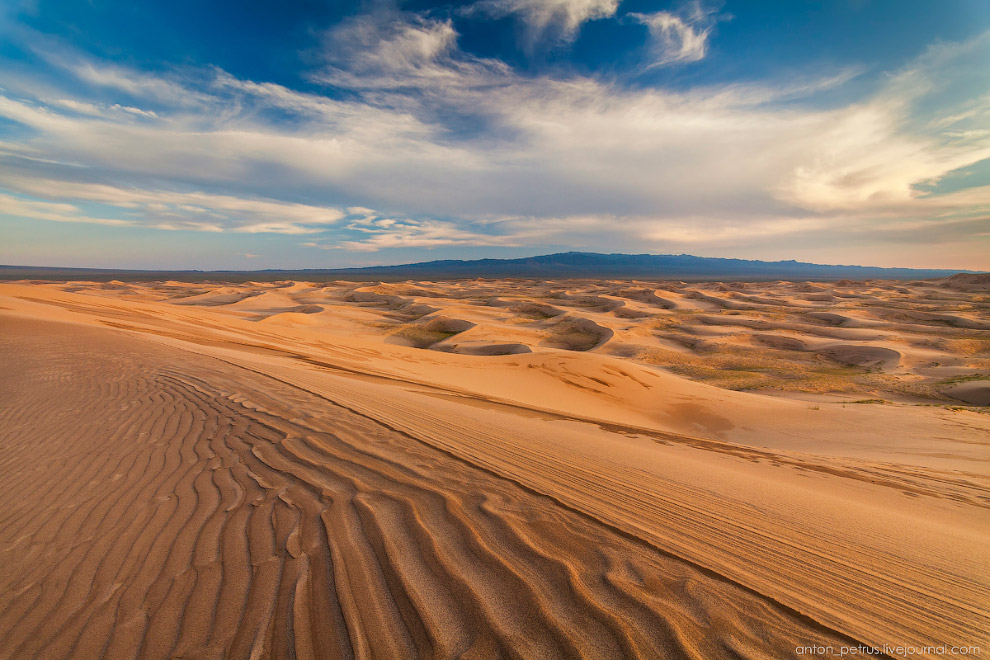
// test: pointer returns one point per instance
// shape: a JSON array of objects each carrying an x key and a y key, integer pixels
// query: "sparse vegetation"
[
  {"x": 737, "y": 368},
  {"x": 577, "y": 334},
  {"x": 421, "y": 337},
  {"x": 964, "y": 379},
  {"x": 969, "y": 346}
]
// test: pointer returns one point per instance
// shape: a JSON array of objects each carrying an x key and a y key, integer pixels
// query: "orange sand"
[{"x": 290, "y": 470}]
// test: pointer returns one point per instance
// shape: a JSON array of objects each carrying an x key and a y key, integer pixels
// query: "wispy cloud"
[
  {"x": 169, "y": 210},
  {"x": 550, "y": 20},
  {"x": 378, "y": 233},
  {"x": 681, "y": 36},
  {"x": 53, "y": 211}
]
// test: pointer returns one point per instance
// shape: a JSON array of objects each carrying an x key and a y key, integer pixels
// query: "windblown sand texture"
[{"x": 485, "y": 469}]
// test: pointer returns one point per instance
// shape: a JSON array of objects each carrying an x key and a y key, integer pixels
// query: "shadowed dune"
[
  {"x": 586, "y": 302},
  {"x": 537, "y": 310},
  {"x": 432, "y": 331},
  {"x": 830, "y": 318},
  {"x": 487, "y": 348},
  {"x": 780, "y": 341},
  {"x": 217, "y": 297},
  {"x": 307, "y": 309},
  {"x": 375, "y": 298},
  {"x": 976, "y": 393},
  {"x": 647, "y": 296},
  {"x": 577, "y": 334},
  {"x": 629, "y": 313},
  {"x": 968, "y": 282},
  {"x": 861, "y": 355}
]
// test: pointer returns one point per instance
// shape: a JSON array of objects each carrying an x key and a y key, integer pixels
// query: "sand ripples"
[{"x": 161, "y": 505}]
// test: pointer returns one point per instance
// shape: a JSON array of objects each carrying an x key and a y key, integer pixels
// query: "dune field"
[{"x": 494, "y": 469}]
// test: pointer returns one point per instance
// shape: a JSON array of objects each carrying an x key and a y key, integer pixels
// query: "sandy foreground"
[{"x": 492, "y": 469}]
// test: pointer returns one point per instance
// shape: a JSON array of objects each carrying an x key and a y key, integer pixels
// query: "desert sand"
[{"x": 485, "y": 469}]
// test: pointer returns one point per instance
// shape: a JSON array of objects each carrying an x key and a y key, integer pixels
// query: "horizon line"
[{"x": 467, "y": 261}]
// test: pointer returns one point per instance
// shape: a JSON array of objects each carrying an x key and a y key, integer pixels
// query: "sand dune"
[
  {"x": 968, "y": 282},
  {"x": 310, "y": 471},
  {"x": 575, "y": 333},
  {"x": 780, "y": 342},
  {"x": 861, "y": 356},
  {"x": 976, "y": 392}
]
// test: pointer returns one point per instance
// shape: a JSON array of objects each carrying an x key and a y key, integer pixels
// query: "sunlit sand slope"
[{"x": 160, "y": 504}]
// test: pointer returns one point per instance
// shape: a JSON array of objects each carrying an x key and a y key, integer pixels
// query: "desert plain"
[{"x": 493, "y": 469}]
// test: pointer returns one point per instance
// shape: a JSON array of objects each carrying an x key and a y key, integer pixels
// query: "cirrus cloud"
[
  {"x": 679, "y": 36},
  {"x": 556, "y": 20}
]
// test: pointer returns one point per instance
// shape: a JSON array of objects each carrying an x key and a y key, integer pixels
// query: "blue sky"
[{"x": 304, "y": 134}]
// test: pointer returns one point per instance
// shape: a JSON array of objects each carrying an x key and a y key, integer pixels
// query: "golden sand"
[{"x": 491, "y": 469}]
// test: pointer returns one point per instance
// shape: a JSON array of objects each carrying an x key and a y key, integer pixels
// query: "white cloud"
[
  {"x": 393, "y": 51},
  {"x": 871, "y": 155},
  {"x": 79, "y": 106},
  {"x": 134, "y": 111},
  {"x": 56, "y": 212},
  {"x": 168, "y": 210},
  {"x": 380, "y": 233},
  {"x": 558, "y": 20},
  {"x": 136, "y": 85},
  {"x": 679, "y": 37}
]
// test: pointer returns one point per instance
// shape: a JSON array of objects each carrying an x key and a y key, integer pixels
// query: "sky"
[{"x": 320, "y": 134}]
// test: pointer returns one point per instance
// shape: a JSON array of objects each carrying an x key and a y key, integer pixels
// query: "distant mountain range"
[{"x": 550, "y": 266}]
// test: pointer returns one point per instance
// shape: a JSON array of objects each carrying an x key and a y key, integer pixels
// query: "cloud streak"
[{"x": 381, "y": 233}]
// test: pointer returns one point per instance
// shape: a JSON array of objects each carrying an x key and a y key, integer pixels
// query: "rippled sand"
[{"x": 490, "y": 469}]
